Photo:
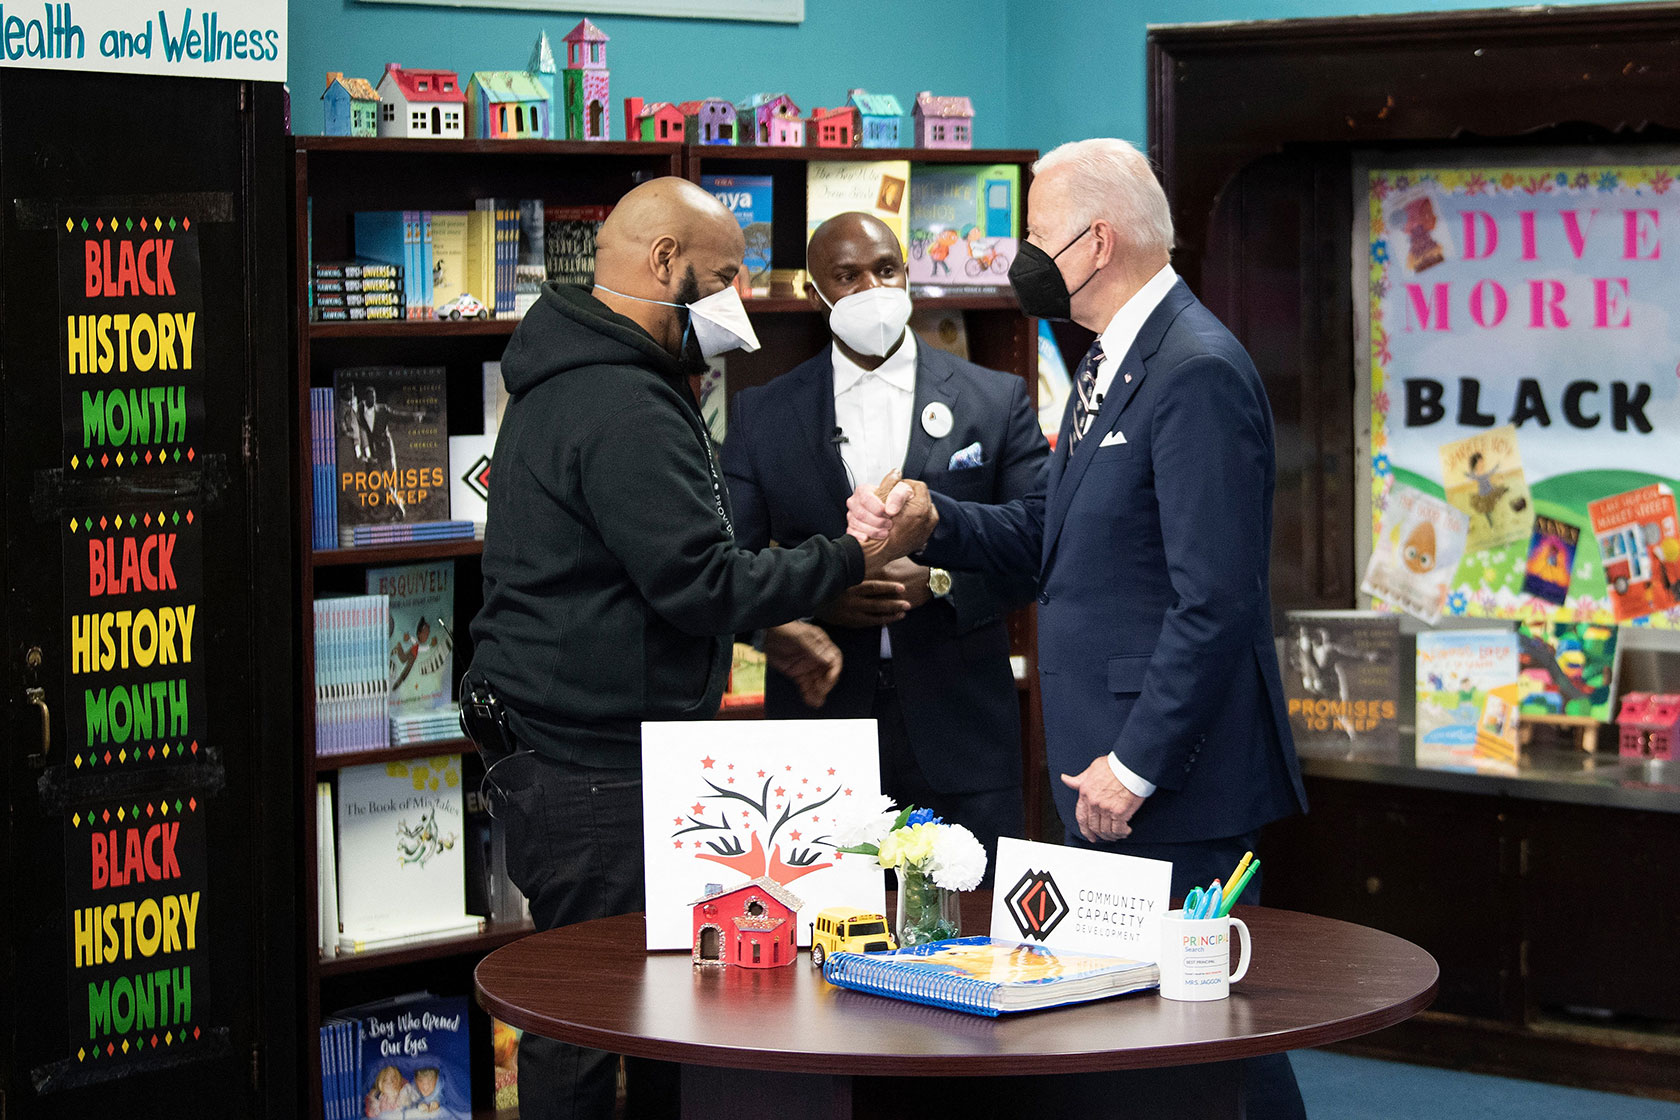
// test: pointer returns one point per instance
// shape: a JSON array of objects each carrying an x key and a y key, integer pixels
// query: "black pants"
[
  {"x": 1269, "y": 1082},
  {"x": 574, "y": 843},
  {"x": 988, "y": 813}
]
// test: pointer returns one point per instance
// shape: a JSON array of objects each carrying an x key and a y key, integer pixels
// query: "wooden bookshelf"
[
  {"x": 493, "y": 936},
  {"x": 395, "y": 553},
  {"x": 329, "y": 762}
]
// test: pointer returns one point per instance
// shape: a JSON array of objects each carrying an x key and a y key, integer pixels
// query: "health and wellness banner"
[
  {"x": 1525, "y": 370},
  {"x": 220, "y": 39}
]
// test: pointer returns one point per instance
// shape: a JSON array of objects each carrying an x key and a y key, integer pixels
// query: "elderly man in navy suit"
[
  {"x": 925, "y": 650},
  {"x": 1151, "y": 537}
]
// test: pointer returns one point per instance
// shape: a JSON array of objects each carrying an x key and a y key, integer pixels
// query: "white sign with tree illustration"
[{"x": 725, "y": 802}]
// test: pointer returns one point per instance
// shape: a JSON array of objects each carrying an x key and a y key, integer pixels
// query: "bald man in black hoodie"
[{"x": 613, "y": 585}]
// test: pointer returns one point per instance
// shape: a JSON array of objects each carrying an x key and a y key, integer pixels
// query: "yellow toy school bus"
[{"x": 840, "y": 929}]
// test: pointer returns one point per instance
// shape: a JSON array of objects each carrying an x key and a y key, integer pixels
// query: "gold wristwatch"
[{"x": 939, "y": 582}]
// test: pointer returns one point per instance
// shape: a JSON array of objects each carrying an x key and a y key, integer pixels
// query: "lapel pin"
[
  {"x": 1128, "y": 380},
  {"x": 936, "y": 420}
]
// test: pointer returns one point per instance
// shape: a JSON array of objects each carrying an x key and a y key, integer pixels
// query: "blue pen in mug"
[{"x": 1195, "y": 954}]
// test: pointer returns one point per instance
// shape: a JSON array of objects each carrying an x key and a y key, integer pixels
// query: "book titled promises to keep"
[{"x": 989, "y": 976}]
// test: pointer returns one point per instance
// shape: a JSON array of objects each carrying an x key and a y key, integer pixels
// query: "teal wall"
[
  {"x": 884, "y": 46},
  {"x": 1039, "y": 71}
]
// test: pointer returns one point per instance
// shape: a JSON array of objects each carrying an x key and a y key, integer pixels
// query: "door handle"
[{"x": 38, "y": 697}]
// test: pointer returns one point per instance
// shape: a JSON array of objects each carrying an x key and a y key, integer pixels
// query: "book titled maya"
[
  {"x": 392, "y": 450},
  {"x": 749, "y": 200},
  {"x": 1342, "y": 682},
  {"x": 989, "y": 976}
]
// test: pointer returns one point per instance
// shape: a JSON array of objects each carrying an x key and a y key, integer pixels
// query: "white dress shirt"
[
  {"x": 1117, "y": 339},
  {"x": 874, "y": 409}
]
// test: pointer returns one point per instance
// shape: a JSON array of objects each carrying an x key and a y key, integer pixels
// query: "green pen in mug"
[{"x": 1195, "y": 956}]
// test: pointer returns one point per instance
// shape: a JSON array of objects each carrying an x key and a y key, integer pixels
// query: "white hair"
[{"x": 1111, "y": 180}]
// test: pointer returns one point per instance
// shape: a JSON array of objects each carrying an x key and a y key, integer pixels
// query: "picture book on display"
[
  {"x": 401, "y": 853},
  {"x": 1467, "y": 707},
  {"x": 403, "y": 1058},
  {"x": 1342, "y": 682},
  {"x": 989, "y": 976},
  {"x": 504, "y": 1046},
  {"x": 569, "y": 242},
  {"x": 1551, "y": 559},
  {"x": 419, "y": 646},
  {"x": 1420, "y": 541},
  {"x": 964, "y": 222},
  {"x": 1639, "y": 542},
  {"x": 1483, "y": 476},
  {"x": 1568, "y": 669},
  {"x": 749, "y": 198},
  {"x": 392, "y": 449},
  {"x": 876, "y": 187}
]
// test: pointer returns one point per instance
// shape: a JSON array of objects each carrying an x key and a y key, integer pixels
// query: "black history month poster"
[{"x": 133, "y": 333}]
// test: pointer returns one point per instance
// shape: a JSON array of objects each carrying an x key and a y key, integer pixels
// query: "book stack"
[
  {"x": 401, "y": 238},
  {"x": 351, "y": 687},
  {"x": 409, "y": 728},
  {"x": 402, "y": 854},
  {"x": 392, "y": 455},
  {"x": 366, "y": 536},
  {"x": 500, "y": 254},
  {"x": 407, "y": 1056},
  {"x": 356, "y": 290},
  {"x": 569, "y": 242},
  {"x": 323, "y": 457}
]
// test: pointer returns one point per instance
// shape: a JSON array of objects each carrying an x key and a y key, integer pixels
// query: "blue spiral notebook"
[{"x": 989, "y": 976}]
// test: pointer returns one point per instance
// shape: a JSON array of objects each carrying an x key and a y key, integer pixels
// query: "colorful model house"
[
  {"x": 586, "y": 83},
  {"x": 708, "y": 121},
  {"x": 421, "y": 103},
  {"x": 943, "y": 122},
  {"x": 879, "y": 116},
  {"x": 833, "y": 128},
  {"x": 351, "y": 106},
  {"x": 542, "y": 66},
  {"x": 752, "y": 925},
  {"x": 771, "y": 120},
  {"x": 507, "y": 105},
  {"x": 1649, "y": 724},
  {"x": 658, "y": 122}
]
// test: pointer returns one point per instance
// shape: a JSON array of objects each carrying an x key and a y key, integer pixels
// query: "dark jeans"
[
  {"x": 1268, "y": 1082},
  {"x": 988, "y": 813},
  {"x": 574, "y": 844}
]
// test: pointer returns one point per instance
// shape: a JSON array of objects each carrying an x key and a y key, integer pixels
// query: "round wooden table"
[{"x": 783, "y": 1036}]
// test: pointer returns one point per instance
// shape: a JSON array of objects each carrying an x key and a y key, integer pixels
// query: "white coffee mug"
[{"x": 1196, "y": 956}]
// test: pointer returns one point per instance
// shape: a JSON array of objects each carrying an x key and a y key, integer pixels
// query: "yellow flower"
[{"x": 910, "y": 846}]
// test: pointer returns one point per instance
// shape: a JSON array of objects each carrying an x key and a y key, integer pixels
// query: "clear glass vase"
[{"x": 926, "y": 911}]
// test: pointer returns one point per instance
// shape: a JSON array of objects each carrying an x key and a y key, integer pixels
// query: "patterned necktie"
[{"x": 1085, "y": 388}]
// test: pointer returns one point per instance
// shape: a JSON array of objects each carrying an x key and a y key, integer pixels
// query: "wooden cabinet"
[{"x": 337, "y": 176}]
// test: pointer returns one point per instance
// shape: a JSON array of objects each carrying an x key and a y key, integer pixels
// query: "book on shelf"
[
  {"x": 326, "y": 870},
  {"x": 941, "y": 329},
  {"x": 750, "y": 199},
  {"x": 351, "y": 685},
  {"x": 364, "y": 536},
  {"x": 1467, "y": 707},
  {"x": 420, "y": 645},
  {"x": 1568, "y": 669},
  {"x": 964, "y": 224},
  {"x": 449, "y": 256},
  {"x": 530, "y": 266},
  {"x": 495, "y": 396},
  {"x": 989, "y": 976},
  {"x": 1341, "y": 682},
  {"x": 504, "y": 1049},
  {"x": 399, "y": 238},
  {"x": 401, "y": 853},
  {"x": 505, "y": 255},
  {"x": 392, "y": 450},
  {"x": 569, "y": 242},
  {"x": 335, "y": 288},
  {"x": 323, "y": 451},
  {"x": 746, "y": 677},
  {"x": 411, "y": 728},
  {"x": 399, "y": 1058},
  {"x": 876, "y": 187}
]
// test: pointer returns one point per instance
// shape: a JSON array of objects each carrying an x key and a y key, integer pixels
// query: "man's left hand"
[
  {"x": 806, "y": 655},
  {"x": 1105, "y": 806}
]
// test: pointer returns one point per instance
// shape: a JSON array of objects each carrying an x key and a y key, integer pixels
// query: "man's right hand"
[
  {"x": 893, "y": 521},
  {"x": 867, "y": 605}
]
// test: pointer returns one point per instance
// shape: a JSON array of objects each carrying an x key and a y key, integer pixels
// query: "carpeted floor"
[{"x": 1339, "y": 1087}]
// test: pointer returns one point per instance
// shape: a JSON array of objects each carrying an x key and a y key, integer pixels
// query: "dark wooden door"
[{"x": 146, "y": 667}]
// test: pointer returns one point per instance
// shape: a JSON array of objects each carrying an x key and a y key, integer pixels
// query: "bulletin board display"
[{"x": 1521, "y": 337}]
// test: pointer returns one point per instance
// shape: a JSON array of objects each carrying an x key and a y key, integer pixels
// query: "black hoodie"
[{"x": 612, "y": 583}]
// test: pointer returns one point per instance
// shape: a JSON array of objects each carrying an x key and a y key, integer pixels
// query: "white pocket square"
[
  {"x": 1113, "y": 438},
  {"x": 966, "y": 459}
]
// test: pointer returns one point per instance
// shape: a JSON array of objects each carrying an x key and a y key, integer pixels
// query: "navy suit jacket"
[
  {"x": 1153, "y": 544},
  {"x": 787, "y": 482}
]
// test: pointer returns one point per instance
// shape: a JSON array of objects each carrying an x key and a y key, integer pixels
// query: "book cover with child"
[
  {"x": 413, "y": 1061},
  {"x": 1467, "y": 699},
  {"x": 1483, "y": 476}
]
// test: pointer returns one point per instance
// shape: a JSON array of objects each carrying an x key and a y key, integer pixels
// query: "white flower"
[
  {"x": 958, "y": 861},
  {"x": 870, "y": 826}
]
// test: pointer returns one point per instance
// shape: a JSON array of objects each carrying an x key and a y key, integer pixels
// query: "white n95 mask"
[
  {"x": 871, "y": 321},
  {"x": 719, "y": 321}
]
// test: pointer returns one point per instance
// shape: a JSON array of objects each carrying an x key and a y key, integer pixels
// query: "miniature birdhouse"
[
  {"x": 752, "y": 925},
  {"x": 421, "y": 103},
  {"x": 943, "y": 122},
  {"x": 350, "y": 106},
  {"x": 879, "y": 115},
  {"x": 1649, "y": 725},
  {"x": 586, "y": 83},
  {"x": 771, "y": 120},
  {"x": 833, "y": 128},
  {"x": 708, "y": 121}
]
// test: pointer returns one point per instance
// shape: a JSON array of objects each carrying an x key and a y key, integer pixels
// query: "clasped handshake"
[{"x": 893, "y": 520}]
